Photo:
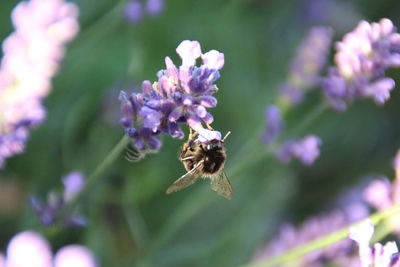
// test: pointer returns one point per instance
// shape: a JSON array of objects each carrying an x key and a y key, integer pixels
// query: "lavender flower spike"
[
  {"x": 50, "y": 212},
  {"x": 305, "y": 69},
  {"x": 383, "y": 194},
  {"x": 181, "y": 95},
  {"x": 361, "y": 60},
  {"x": 306, "y": 150},
  {"x": 380, "y": 256},
  {"x": 31, "y": 57},
  {"x": 136, "y": 10},
  {"x": 29, "y": 248},
  {"x": 274, "y": 124},
  {"x": 289, "y": 237}
]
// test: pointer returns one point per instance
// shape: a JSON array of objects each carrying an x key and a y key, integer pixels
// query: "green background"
[{"x": 131, "y": 222}]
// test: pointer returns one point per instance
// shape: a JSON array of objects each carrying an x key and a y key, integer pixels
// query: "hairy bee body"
[
  {"x": 205, "y": 160},
  {"x": 213, "y": 154}
]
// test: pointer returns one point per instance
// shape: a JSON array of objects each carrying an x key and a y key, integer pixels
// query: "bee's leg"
[
  {"x": 209, "y": 126},
  {"x": 132, "y": 155},
  {"x": 187, "y": 158},
  {"x": 192, "y": 134}
]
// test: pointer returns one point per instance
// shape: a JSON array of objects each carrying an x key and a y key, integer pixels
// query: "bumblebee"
[{"x": 205, "y": 159}]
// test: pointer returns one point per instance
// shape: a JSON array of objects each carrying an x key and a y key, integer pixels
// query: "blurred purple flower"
[
  {"x": 180, "y": 96},
  {"x": 74, "y": 255},
  {"x": 31, "y": 57},
  {"x": 73, "y": 184},
  {"x": 361, "y": 60},
  {"x": 310, "y": 58},
  {"x": 378, "y": 255},
  {"x": 135, "y": 10},
  {"x": 50, "y": 212},
  {"x": 306, "y": 150},
  {"x": 325, "y": 12},
  {"x": 290, "y": 238},
  {"x": 30, "y": 249},
  {"x": 383, "y": 194},
  {"x": 274, "y": 124},
  {"x": 2, "y": 260},
  {"x": 154, "y": 7}
]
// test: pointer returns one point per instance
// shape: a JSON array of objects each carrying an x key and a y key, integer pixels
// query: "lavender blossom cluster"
[
  {"x": 361, "y": 60},
  {"x": 306, "y": 67},
  {"x": 381, "y": 194},
  {"x": 180, "y": 96},
  {"x": 135, "y": 10},
  {"x": 29, "y": 248},
  {"x": 289, "y": 238},
  {"x": 378, "y": 255},
  {"x": 31, "y": 57},
  {"x": 51, "y": 212}
]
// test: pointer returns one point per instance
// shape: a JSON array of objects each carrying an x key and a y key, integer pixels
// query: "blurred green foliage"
[{"x": 131, "y": 221}]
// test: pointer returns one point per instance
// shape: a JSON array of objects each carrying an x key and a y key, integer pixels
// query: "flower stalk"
[{"x": 325, "y": 241}]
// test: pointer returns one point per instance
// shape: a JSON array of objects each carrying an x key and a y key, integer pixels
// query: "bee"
[{"x": 206, "y": 160}]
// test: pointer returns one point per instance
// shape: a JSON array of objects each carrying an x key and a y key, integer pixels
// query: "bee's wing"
[
  {"x": 185, "y": 180},
  {"x": 221, "y": 185}
]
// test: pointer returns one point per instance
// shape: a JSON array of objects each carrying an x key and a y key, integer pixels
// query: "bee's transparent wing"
[
  {"x": 221, "y": 185},
  {"x": 185, "y": 180}
]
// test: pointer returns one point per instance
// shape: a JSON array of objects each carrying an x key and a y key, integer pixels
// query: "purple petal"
[
  {"x": 208, "y": 118},
  {"x": 187, "y": 99},
  {"x": 208, "y": 101},
  {"x": 154, "y": 143},
  {"x": 131, "y": 132},
  {"x": 147, "y": 89},
  {"x": 206, "y": 135},
  {"x": 274, "y": 124},
  {"x": 138, "y": 143},
  {"x": 126, "y": 107},
  {"x": 378, "y": 194},
  {"x": 396, "y": 164},
  {"x": 125, "y": 122},
  {"x": 213, "y": 60},
  {"x": 29, "y": 249},
  {"x": 194, "y": 122},
  {"x": 380, "y": 90},
  {"x": 74, "y": 255},
  {"x": 362, "y": 235},
  {"x": 175, "y": 114},
  {"x": 134, "y": 11},
  {"x": 73, "y": 184},
  {"x": 201, "y": 111},
  {"x": 152, "y": 118},
  {"x": 189, "y": 51},
  {"x": 154, "y": 7},
  {"x": 175, "y": 131},
  {"x": 306, "y": 150},
  {"x": 171, "y": 68}
]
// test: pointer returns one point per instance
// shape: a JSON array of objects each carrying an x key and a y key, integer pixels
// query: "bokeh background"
[{"x": 131, "y": 222}]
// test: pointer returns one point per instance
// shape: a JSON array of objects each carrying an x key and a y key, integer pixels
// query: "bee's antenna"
[{"x": 227, "y": 134}]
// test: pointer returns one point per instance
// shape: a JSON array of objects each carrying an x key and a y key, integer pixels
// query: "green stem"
[
  {"x": 96, "y": 174},
  {"x": 310, "y": 118},
  {"x": 323, "y": 241}
]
